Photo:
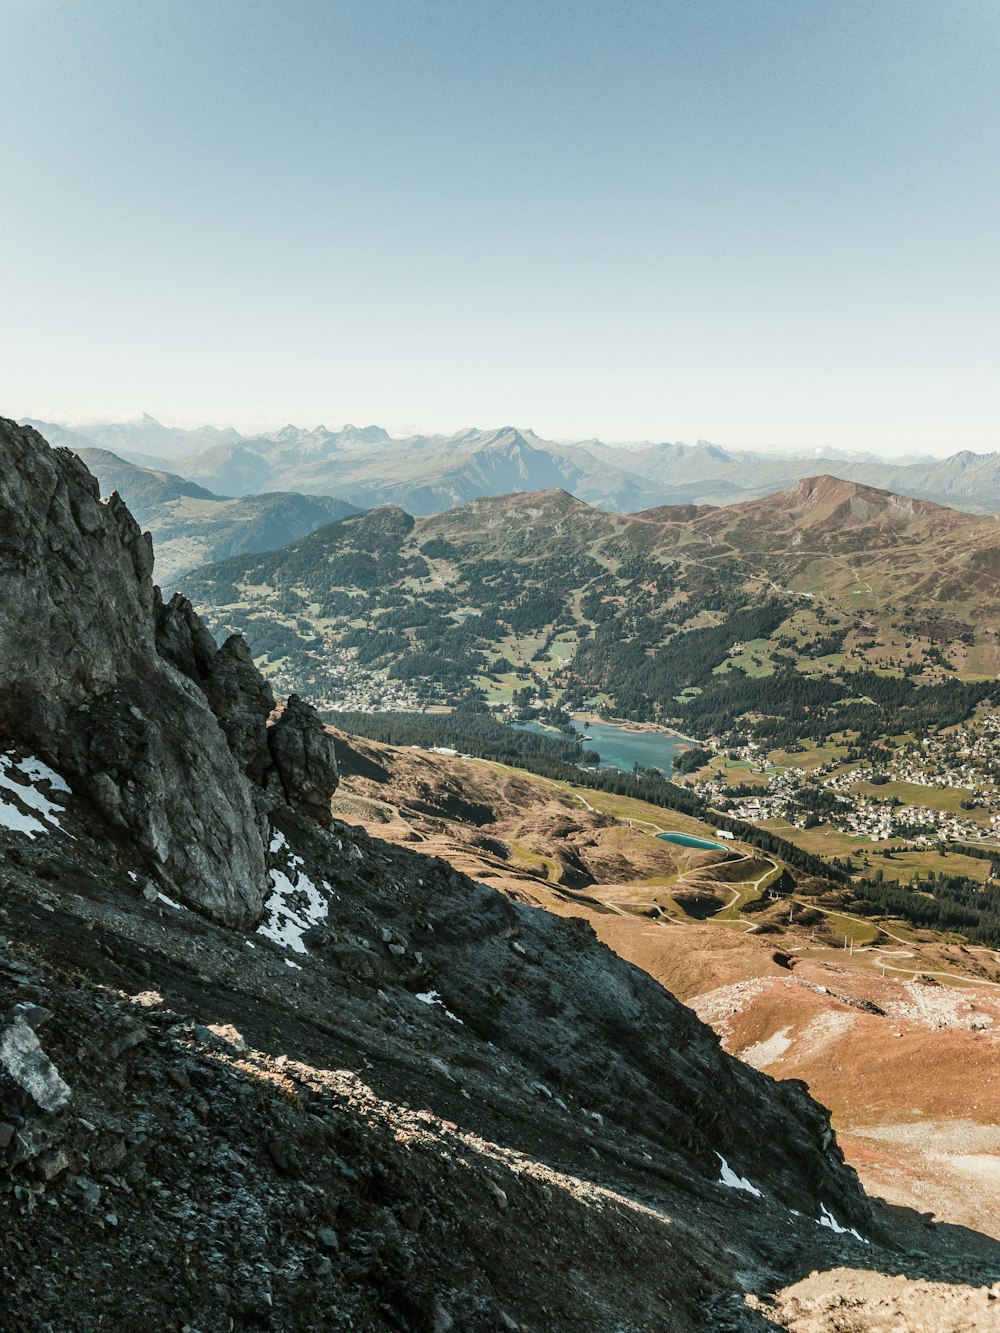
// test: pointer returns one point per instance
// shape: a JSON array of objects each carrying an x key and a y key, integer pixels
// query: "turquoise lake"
[{"x": 623, "y": 749}]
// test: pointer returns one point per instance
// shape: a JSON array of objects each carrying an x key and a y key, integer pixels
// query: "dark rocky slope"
[
  {"x": 403, "y": 1101},
  {"x": 127, "y": 698}
]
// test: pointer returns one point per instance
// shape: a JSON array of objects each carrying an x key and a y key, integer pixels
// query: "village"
[
  {"x": 964, "y": 760},
  {"x": 339, "y": 683}
]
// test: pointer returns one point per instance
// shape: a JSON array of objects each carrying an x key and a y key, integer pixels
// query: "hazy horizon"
[
  {"x": 81, "y": 422},
  {"x": 766, "y": 225}
]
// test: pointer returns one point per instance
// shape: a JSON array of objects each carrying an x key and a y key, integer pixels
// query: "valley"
[
  {"x": 860, "y": 728},
  {"x": 192, "y": 526},
  {"x": 891, "y": 1026}
]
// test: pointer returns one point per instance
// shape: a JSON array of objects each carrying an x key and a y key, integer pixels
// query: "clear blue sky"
[{"x": 762, "y": 222}]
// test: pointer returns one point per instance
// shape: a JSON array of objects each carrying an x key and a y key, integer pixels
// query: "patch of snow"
[
  {"x": 278, "y": 841},
  {"x": 827, "y": 1219},
  {"x": 432, "y": 997},
  {"x": 250, "y": 944},
  {"x": 729, "y": 1178},
  {"x": 288, "y": 963},
  {"x": 162, "y": 897},
  {"x": 133, "y": 877},
  {"x": 18, "y": 822},
  {"x": 12, "y": 816},
  {"x": 35, "y": 771},
  {"x": 293, "y": 907}
]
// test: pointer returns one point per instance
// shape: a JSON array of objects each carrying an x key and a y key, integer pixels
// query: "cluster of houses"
[
  {"x": 343, "y": 685},
  {"x": 972, "y": 754}
]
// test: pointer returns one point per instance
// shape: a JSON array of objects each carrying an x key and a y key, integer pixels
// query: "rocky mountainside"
[
  {"x": 829, "y": 510},
  {"x": 260, "y": 1070},
  {"x": 919, "y": 1124},
  {"x": 175, "y": 743}
]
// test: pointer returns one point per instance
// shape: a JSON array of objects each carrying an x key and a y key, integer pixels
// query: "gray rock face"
[
  {"x": 237, "y": 693},
  {"x": 305, "y": 766},
  {"x": 75, "y": 580},
  {"x": 130, "y": 700}
]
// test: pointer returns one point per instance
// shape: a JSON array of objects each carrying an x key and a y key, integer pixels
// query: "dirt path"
[{"x": 879, "y": 954}]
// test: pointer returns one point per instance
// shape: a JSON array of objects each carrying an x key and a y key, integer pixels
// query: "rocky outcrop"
[
  {"x": 305, "y": 765},
  {"x": 285, "y": 750},
  {"x": 237, "y": 693},
  {"x": 130, "y": 699}
]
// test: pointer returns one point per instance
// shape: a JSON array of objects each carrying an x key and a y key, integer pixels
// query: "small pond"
[{"x": 685, "y": 840}]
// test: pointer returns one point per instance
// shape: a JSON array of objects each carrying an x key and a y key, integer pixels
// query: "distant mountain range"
[
  {"x": 191, "y": 526},
  {"x": 427, "y": 474}
]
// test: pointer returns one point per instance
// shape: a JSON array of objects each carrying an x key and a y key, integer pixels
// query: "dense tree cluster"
[
  {"x": 689, "y": 761},
  {"x": 468, "y": 730},
  {"x": 947, "y": 903},
  {"x": 644, "y": 680},
  {"x": 788, "y": 706}
]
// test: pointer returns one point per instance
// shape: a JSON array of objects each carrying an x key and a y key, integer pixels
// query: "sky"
[{"x": 767, "y": 223}]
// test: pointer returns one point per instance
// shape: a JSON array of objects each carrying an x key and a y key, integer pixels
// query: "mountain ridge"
[
  {"x": 829, "y": 592},
  {"x": 426, "y": 473}
]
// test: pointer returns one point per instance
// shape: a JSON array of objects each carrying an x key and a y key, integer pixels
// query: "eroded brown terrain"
[{"x": 907, "y": 1061}]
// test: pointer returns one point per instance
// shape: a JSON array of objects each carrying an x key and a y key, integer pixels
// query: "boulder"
[{"x": 26, "y": 1064}]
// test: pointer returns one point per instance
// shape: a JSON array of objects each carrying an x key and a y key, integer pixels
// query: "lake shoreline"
[
  {"x": 623, "y": 724},
  {"x": 622, "y": 748}
]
